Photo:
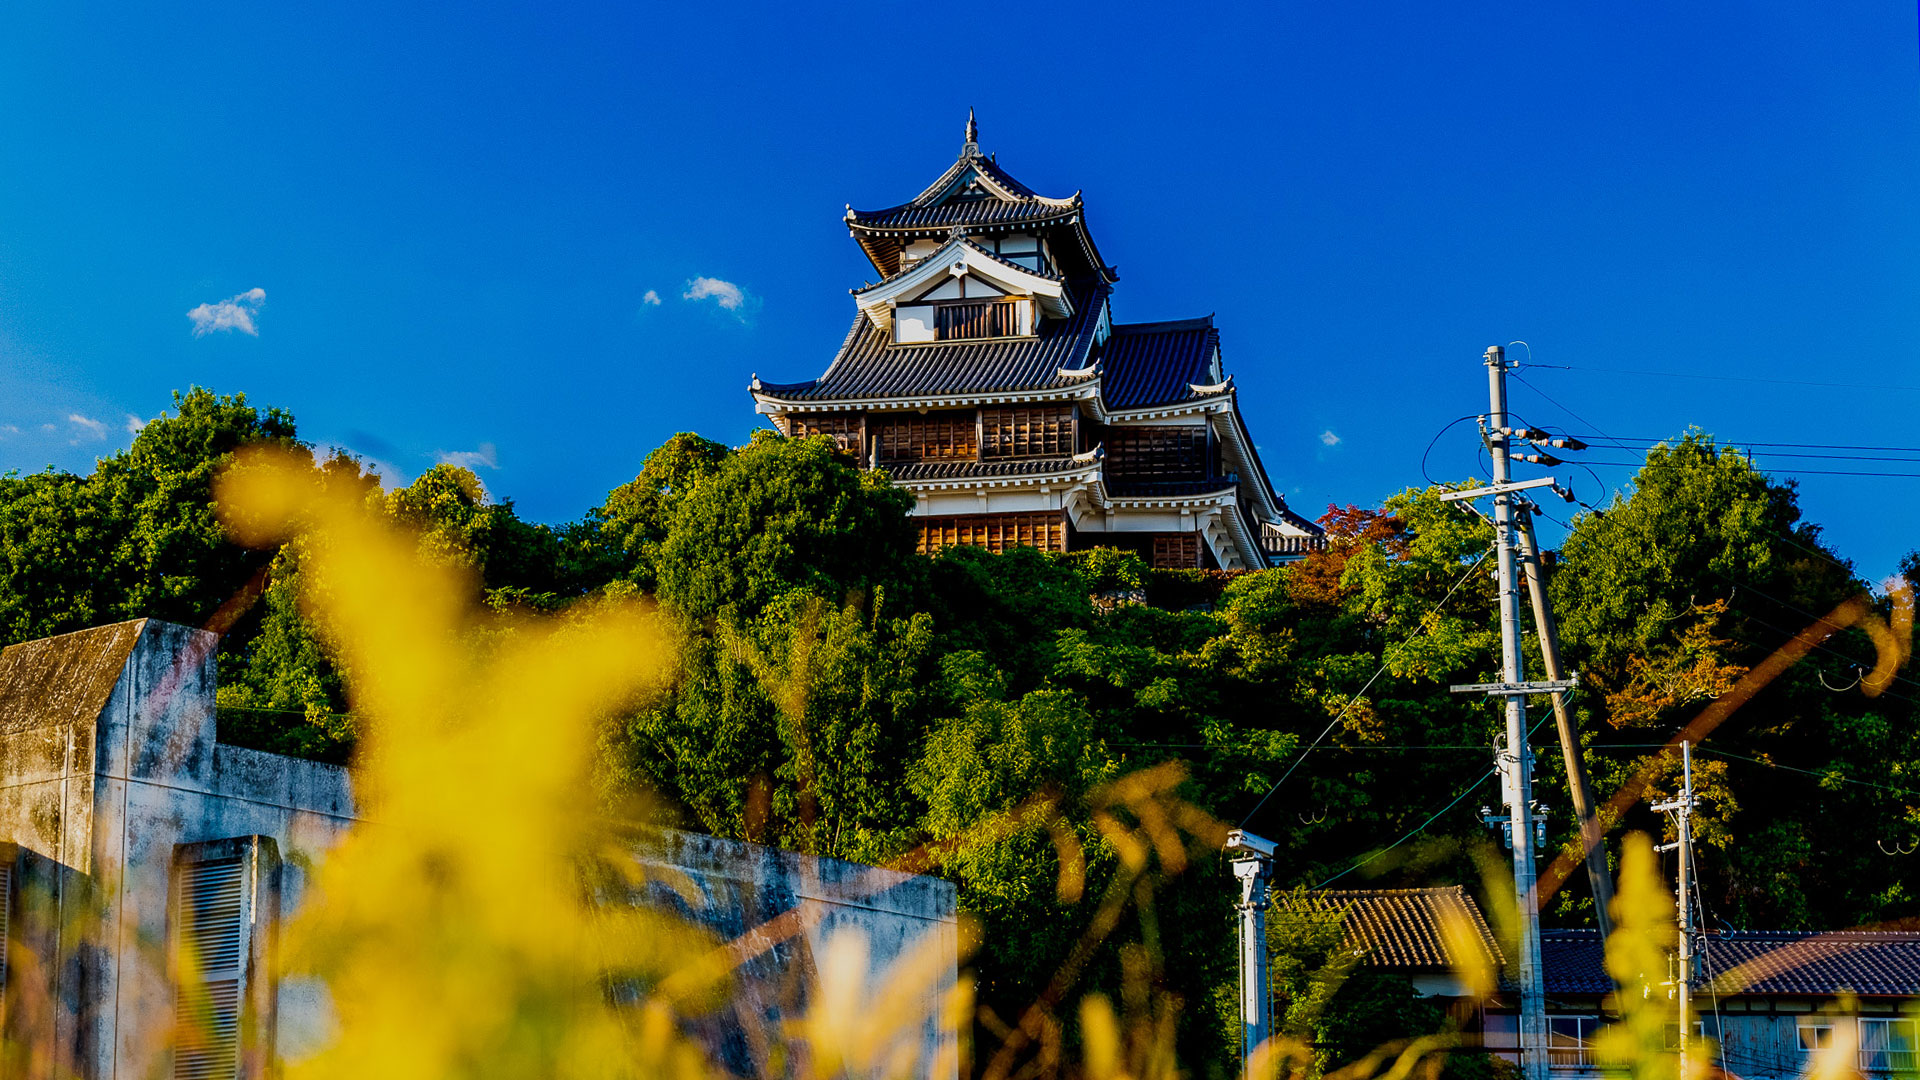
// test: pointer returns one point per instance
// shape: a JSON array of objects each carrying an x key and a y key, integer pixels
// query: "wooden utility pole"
[{"x": 1582, "y": 793}]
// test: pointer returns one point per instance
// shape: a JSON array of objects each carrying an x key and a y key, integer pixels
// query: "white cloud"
[
  {"x": 8, "y": 431},
  {"x": 88, "y": 424},
  {"x": 485, "y": 457},
  {"x": 46, "y": 427},
  {"x": 236, "y": 313},
  {"x": 651, "y": 298},
  {"x": 134, "y": 424},
  {"x": 725, "y": 293},
  {"x": 1328, "y": 438}
]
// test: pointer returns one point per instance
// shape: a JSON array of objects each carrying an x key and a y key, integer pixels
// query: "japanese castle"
[{"x": 986, "y": 374}]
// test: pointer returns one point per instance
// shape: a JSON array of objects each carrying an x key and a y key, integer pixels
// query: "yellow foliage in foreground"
[{"x": 480, "y": 927}]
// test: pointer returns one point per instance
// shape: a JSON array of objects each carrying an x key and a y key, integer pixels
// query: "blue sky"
[{"x": 455, "y": 214}]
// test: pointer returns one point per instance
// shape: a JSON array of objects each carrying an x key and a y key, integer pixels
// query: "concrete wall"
[
  {"x": 110, "y": 769},
  {"x": 98, "y": 805},
  {"x": 800, "y": 904}
]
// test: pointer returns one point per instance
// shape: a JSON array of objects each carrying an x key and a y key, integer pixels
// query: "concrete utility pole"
[
  {"x": 1516, "y": 763},
  {"x": 1515, "y": 760},
  {"x": 1683, "y": 812},
  {"x": 1253, "y": 865},
  {"x": 1577, "y": 785}
]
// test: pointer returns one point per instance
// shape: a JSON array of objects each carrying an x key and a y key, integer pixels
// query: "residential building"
[
  {"x": 986, "y": 372},
  {"x": 1765, "y": 1000}
]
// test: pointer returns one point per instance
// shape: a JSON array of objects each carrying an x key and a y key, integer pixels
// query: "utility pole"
[
  {"x": 1513, "y": 544},
  {"x": 1516, "y": 772},
  {"x": 1577, "y": 785},
  {"x": 1682, "y": 808},
  {"x": 1253, "y": 865},
  {"x": 1516, "y": 762}
]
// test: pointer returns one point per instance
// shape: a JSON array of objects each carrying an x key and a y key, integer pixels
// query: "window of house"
[
  {"x": 995, "y": 532},
  {"x": 1180, "y": 551},
  {"x": 976, "y": 319},
  {"x": 1157, "y": 453},
  {"x": 1570, "y": 1041},
  {"x": 1816, "y": 1033},
  {"x": 1026, "y": 432},
  {"x": 845, "y": 428},
  {"x": 224, "y": 899},
  {"x": 941, "y": 436},
  {"x": 1888, "y": 1044}
]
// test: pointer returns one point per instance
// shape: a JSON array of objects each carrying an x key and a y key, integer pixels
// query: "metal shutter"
[{"x": 212, "y": 925}]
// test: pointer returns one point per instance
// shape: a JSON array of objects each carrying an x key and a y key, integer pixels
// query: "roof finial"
[{"x": 972, "y": 148}]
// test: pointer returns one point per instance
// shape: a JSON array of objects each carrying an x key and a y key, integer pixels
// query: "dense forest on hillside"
[{"x": 837, "y": 694}]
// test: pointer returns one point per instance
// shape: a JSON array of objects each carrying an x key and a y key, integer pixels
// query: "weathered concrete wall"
[
  {"x": 109, "y": 765},
  {"x": 783, "y": 910},
  {"x": 108, "y": 762}
]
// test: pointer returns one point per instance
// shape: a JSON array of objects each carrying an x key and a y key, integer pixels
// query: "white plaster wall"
[
  {"x": 954, "y": 503},
  {"x": 1163, "y": 520},
  {"x": 913, "y": 324}
]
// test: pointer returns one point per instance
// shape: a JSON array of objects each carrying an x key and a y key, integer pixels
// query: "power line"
[
  {"x": 1728, "y": 378},
  {"x": 1426, "y": 626},
  {"x": 1809, "y": 772},
  {"x": 1796, "y": 471},
  {"x": 1417, "y": 829},
  {"x": 1648, "y": 440}
]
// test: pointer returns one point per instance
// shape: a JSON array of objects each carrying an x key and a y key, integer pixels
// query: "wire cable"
[
  {"x": 1426, "y": 627},
  {"x": 1417, "y": 829},
  {"x": 1728, "y": 378}
]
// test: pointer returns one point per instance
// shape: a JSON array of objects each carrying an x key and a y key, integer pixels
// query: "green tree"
[
  {"x": 779, "y": 514},
  {"x": 138, "y": 537},
  {"x": 625, "y": 533}
]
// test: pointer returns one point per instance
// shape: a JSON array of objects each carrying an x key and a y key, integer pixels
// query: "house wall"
[{"x": 901, "y": 919}]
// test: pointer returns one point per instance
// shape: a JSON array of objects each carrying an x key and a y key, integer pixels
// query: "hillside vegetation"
[{"x": 837, "y": 694}]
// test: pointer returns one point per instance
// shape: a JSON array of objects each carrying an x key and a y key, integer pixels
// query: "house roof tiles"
[
  {"x": 1156, "y": 363},
  {"x": 1778, "y": 962},
  {"x": 968, "y": 470},
  {"x": 870, "y": 365},
  {"x": 936, "y": 208},
  {"x": 1405, "y": 928}
]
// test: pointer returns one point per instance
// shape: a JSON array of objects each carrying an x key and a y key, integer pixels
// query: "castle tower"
[{"x": 985, "y": 373}]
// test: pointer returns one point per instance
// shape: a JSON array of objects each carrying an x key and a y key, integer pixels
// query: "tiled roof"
[
  {"x": 870, "y": 365},
  {"x": 972, "y": 213},
  {"x": 968, "y": 470},
  {"x": 926, "y": 211},
  {"x": 1401, "y": 928},
  {"x": 1154, "y": 363},
  {"x": 1865, "y": 962}
]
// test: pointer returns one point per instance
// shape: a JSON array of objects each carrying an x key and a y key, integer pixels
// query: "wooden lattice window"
[
  {"x": 982, "y": 319},
  {"x": 1180, "y": 551},
  {"x": 941, "y": 436},
  {"x": 1158, "y": 453},
  {"x": 1019, "y": 433},
  {"x": 844, "y": 427},
  {"x": 995, "y": 532}
]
